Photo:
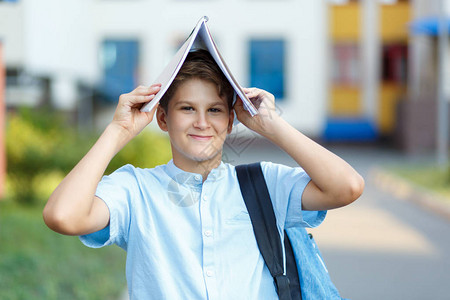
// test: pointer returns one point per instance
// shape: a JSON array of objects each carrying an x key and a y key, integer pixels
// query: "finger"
[
  {"x": 253, "y": 92},
  {"x": 250, "y": 89},
  {"x": 151, "y": 113},
  {"x": 153, "y": 89},
  {"x": 147, "y": 90},
  {"x": 136, "y": 99},
  {"x": 255, "y": 96}
]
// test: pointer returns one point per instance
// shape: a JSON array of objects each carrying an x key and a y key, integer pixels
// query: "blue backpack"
[{"x": 306, "y": 276}]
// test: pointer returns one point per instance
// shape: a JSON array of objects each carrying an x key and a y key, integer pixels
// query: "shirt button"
[
  {"x": 205, "y": 198},
  {"x": 198, "y": 177},
  {"x": 209, "y": 273},
  {"x": 208, "y": 232}
]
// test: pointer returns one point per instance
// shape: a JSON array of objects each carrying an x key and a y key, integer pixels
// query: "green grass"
[
  {"x": 427, "y": 176},
  {"x": 37, "y": 263}
]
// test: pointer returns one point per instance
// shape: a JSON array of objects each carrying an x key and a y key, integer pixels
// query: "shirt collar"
[{"x": 193, "y": 178}]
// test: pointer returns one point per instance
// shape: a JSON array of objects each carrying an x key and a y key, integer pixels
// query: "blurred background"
[{"x": 368, "y": 79}]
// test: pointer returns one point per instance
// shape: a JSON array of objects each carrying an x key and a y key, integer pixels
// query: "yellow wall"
[
  {"x": 394, "y": 21},
  {"x": 345, "y": 22},
  {"x": 389, "y": 96},
  {"x": 345, "y": 26},
  {"x": 345, "y": 101}
]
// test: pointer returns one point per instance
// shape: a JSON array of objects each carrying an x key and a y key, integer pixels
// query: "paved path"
[{"x": 379, "y": 247}]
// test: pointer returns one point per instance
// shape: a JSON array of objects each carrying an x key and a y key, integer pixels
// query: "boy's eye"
[
  {"x": 188, "y": 108},
  {"x": 215, "y": 110}
]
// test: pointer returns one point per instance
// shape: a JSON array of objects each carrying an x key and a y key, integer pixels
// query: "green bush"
[
  {"x": 147, "y": 150},
  {"x": 42, "y": 147},
  {"x": 426, "y": 175}
]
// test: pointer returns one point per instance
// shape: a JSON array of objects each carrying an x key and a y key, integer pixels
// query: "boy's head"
[
  {"x": 200, "y": 65},
  {"x": 196, "y": 111}
]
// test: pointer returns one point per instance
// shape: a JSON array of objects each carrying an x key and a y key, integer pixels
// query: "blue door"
[
  {"x": 267, "y": 66},
  {"x": 120, "y": 60}
]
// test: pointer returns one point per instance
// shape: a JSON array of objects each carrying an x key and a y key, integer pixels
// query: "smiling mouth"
[{"x": 200, "y": 137}]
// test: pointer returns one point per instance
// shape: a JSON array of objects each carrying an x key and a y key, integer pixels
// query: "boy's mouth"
[{"x": 201, "y": 137}]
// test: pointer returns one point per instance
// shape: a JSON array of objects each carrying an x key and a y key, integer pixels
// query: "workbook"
[{"x": 200, "y": 38}]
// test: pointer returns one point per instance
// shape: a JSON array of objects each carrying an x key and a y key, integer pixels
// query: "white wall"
[
  {"x": 11, "y": 27},
  {"x": 60, "y": 44},
  {"x": 59, "y": 37},
  {"x": 426, "y": 8}
]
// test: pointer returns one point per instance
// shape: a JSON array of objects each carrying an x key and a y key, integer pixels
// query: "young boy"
[{"x": 184, "y": 225}]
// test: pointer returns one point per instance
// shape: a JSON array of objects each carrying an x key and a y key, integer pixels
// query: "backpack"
[{"x": 306, "y": 276}]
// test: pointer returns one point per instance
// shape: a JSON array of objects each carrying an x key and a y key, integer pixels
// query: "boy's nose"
[{"x": 202, "y": 121}]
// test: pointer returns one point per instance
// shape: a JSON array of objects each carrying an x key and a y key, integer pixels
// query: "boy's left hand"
[
  {"x": 334, "y": 183},
  {"x": 263, "y": 123}
]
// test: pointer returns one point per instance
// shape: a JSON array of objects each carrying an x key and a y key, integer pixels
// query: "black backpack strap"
[{"x": 257, "y": 199}]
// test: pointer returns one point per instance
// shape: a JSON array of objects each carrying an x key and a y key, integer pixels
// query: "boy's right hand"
[
  {"x": 128, "y": 118},
  {"x": 73, "y": 208}
]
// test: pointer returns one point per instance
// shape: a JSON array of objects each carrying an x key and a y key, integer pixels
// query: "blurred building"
[
  {"x": 369, "y": 67},
  {"x": 113, "y": 46},
  {"x": 417, "y": 116},
  {"x": 338, "y": 68},
  {"x": 384, "y": 74}
]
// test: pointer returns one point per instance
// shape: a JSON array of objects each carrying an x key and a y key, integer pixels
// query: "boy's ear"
[
  {"x": 161, "y": 117},
  {"x": 230, "y": 121}
]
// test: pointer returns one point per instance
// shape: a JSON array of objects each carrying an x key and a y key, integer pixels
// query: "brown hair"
[{"x": 200, "y": 65}]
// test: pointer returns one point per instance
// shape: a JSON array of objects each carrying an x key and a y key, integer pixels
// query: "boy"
[{"x": 184, "y": 225}]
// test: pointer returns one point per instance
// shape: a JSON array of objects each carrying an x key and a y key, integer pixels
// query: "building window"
[
  {"x": 394, "y": 67},
  {"x": 267, "y": 66},
  {"x": 346, "y": 64},
  {"x": 119, "y": 60}
]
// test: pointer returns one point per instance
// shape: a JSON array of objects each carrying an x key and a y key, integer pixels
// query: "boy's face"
[{"x": 198, "y": 121}]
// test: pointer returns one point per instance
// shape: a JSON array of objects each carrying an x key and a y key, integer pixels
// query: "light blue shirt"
[{"x": 191, "y": 240}]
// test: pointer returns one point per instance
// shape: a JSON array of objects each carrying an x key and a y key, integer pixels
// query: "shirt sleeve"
[
  {"x": 286, "y": 186},
  {"x": 117, "y": 191}
]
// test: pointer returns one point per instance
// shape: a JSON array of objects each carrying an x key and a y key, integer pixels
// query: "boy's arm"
[
  {"x": 334, "y": 183},
  {"x": 73, "y": 208}
]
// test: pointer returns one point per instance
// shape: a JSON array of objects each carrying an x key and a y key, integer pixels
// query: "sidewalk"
[{"x": 408, "y": 191}]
